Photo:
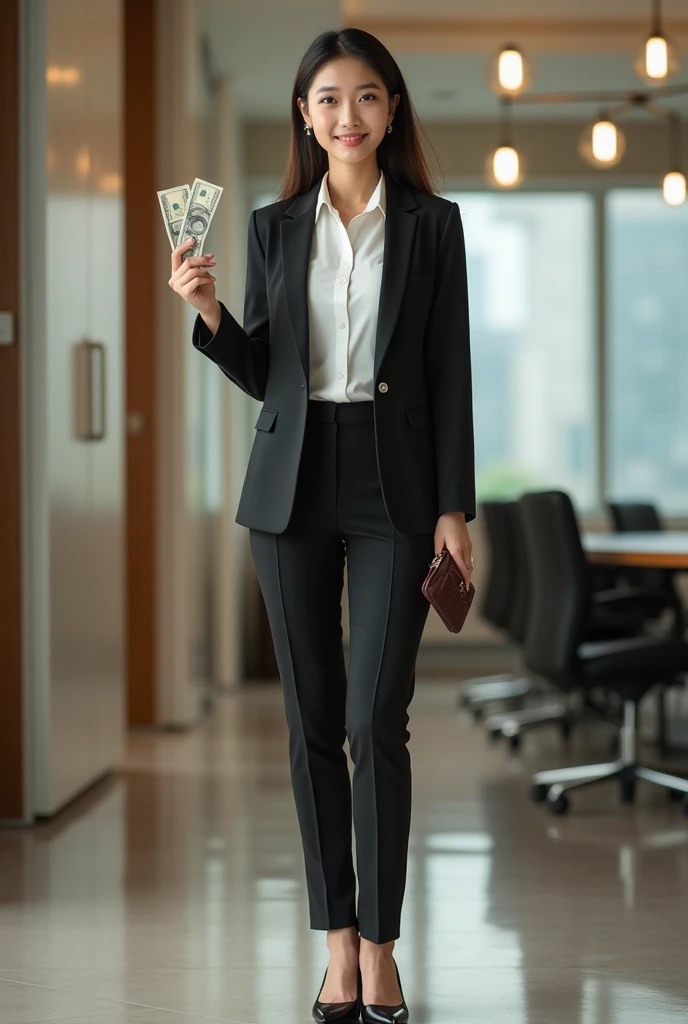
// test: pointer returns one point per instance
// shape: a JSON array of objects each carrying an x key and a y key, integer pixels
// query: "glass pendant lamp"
[
  {"x": 657, "y": 57},
  {"x": 505, "y": 165},
  {"x": 602, "y": 144},
  {"x": 509, "y": 70}
]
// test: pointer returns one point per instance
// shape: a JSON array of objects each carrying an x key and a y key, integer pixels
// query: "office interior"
[{"x": 150, "y": 862}]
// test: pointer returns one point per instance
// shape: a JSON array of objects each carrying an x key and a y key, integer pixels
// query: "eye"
[{"x": 371, "y": 94}]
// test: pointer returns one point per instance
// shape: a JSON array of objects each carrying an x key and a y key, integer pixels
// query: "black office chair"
[
  {"x": 643, "y": 517},
  {"x": 609, "y": 619},
  {"x": 560, "y": 608},
  {"x": 501, "y": 597}
]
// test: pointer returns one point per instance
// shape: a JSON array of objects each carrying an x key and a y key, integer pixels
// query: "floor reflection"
[{"x": 174, "y": 891}]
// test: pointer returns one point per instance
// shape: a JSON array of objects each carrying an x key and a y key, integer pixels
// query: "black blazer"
[{"x": 423, "y": 401}]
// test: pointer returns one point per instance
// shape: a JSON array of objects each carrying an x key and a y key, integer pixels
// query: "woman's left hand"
[{"x": 451, "y": 532}]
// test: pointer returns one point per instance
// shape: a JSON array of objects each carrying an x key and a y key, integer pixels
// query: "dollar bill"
[
  {"x": 173, "y": 203},
  {"x": 202, "y": 204}
]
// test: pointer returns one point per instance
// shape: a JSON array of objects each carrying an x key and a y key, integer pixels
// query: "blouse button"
[
  {"x": 342, "y": 323},
  {"x": 382, "y": 386},
  {"x": 340, "y": 374},
  {"x": 342, "y": 280}
]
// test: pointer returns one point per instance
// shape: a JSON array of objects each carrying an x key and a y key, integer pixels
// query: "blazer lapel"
[{"x": 296, "y": 237}]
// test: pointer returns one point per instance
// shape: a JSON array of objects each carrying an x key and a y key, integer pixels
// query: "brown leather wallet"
[{"x": 446, "y": 591}]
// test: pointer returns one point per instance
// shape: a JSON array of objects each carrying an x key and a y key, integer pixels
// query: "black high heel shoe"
[
  {"x": 375, "y": 1014},
  {"x": 338, "y": 1013}
]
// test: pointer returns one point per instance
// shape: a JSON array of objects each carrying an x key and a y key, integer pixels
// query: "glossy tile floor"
[{"x": 173, "y": 893}]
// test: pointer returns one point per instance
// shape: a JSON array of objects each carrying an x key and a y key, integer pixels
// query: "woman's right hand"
[{"x": 192, "y": 280}]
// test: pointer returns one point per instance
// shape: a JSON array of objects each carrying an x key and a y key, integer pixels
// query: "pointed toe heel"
[
  {"x": 375, "y": 1014},
  {"x": 338, "y": 1013}
]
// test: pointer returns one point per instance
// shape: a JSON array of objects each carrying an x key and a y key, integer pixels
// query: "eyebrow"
[{"x": 335, "y": 88}]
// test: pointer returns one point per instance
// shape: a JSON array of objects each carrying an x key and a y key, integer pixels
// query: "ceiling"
[
  {"x": 260, "y": 45},
  {"x": 501, "y": 9}
]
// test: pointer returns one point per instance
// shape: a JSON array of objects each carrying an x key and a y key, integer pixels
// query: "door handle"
[
  {"x": 90, "y": 410},
  {"x": 96, "y": 391}
]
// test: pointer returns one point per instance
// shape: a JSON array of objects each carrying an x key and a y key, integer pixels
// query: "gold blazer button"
[{"x": 382, "y": 386}]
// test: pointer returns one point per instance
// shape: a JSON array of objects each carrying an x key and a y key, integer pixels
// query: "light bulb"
[
  {"x": 656, "y": 57},
  {"x": 505, "y": 166},
  {"x": 510, "y": 70},
  {"x": 604, "y": 145},
  {"x": 674, "y": 188}
]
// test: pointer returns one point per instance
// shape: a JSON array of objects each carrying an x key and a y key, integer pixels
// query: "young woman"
[{"x": 355, "y": 338}]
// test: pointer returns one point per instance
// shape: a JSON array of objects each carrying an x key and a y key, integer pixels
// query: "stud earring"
[
  {"x": 389, "y": 127},
  {"x": 307, "y": 128}
]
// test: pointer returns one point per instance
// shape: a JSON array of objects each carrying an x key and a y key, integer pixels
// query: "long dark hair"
[{"x": 399, "y": 154}]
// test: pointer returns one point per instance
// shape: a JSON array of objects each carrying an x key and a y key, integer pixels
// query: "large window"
[
  {"x": 535, "y": 298},
  {"x": 531, "y": 299},
  {"x": 647, "y": 331}
]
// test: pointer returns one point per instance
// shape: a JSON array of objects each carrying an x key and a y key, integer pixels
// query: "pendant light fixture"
[
  {"x": 657, "y": 58},
  {"x": 674, "y": 181},
  {"x": 504, "y": 165},
  {"x": 602, "y": 144},
  {"x": 509, "y": 70}
]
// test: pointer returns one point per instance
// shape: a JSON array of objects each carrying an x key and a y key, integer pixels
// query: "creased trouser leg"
[
  {"x": 387, "y": 614},
  {"x": 301, "y": 579}
]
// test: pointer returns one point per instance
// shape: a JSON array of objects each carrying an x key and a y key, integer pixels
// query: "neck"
[{"x": 352, "y": 185}]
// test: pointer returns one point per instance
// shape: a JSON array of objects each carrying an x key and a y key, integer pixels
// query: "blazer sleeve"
[
  {"x": 448, "y": 369},
  {"x": 242, "y": 353}
]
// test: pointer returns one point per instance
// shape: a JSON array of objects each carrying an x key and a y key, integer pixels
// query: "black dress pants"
[{"x": 339, "y": 514}]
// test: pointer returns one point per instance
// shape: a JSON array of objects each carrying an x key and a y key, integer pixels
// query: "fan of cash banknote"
[{"x": 188, "y": 212}]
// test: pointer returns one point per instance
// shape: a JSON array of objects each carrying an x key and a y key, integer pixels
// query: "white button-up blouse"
[{"x": 344, "y": 277}]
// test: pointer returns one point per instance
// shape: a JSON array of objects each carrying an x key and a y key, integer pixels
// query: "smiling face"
[{"x": 348, "y": 98}]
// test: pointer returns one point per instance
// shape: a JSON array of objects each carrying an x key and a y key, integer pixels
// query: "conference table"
[{"x": 662, "y": 549}]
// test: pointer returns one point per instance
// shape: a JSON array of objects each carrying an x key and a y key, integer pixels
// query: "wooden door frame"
[{"x": 141, "y": 224}]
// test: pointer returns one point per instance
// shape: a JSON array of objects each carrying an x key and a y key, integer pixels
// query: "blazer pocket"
[
  {"x": 419, "y": 415},
  {"x": 266, "y": 419}
]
